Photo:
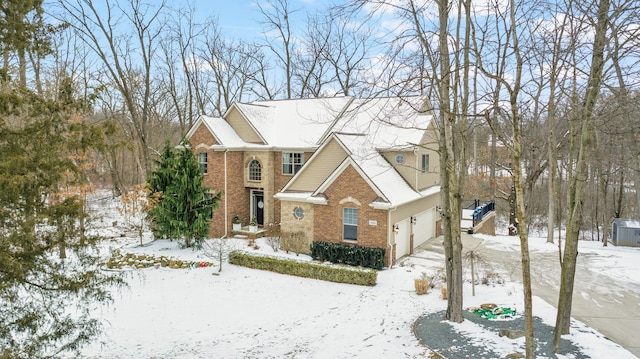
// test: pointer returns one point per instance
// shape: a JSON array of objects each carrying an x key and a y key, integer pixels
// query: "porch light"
[
  {"x": 396, "y": 228},
  {"x": 414, "y": 219}
]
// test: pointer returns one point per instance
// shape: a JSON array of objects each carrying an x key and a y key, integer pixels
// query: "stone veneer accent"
[{"x": 289, "y": 223}]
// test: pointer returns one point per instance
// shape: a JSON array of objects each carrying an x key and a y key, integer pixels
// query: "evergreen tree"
[
  {"x": 38, "y": 216},
  {"x": 159, "y": 182},
  {"x": 185, "y": 206},
  {"x": 23, "y": 31}
]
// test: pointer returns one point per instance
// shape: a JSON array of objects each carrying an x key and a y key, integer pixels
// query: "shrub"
[
  {"x": 312, "y": 270},
  {"x": 294, "y": 242},
  {"x": 348, "y": 254},
  {"x": 422, "y": 284},
  {"x": 273, "y": 236}
]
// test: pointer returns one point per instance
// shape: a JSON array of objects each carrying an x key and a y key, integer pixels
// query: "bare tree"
[
  {"x": 578, "y": 179},
  {"x": 178, "y": 46},
  {"x": 278, "y": 38},
  {"x": 453, "y": 164},
  {"x": 346, "y": 49},
  {"x": 127, "y": 58},
  {"x": 231, "y": 67},
  {"x": 514, "y": 142}
]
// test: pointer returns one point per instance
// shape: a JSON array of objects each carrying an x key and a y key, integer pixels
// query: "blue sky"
[{"x": 241, "y": 18}]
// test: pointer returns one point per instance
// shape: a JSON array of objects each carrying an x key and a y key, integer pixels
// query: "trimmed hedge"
[
  {"x": 359, "y": 276},
  {"x": 348, "y": 254}
]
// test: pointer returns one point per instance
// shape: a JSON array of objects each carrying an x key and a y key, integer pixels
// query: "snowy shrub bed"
[
  {"x": 118, "y": 260},
  {"x": 348, "y": 254},
  {"x": 349, "y": 275}
]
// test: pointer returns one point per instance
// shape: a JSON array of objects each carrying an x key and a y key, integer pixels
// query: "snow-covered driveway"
[{"x": 607, "y": 284}]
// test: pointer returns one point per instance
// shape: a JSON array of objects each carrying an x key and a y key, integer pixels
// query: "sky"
[{"x": 241, "y": 18}]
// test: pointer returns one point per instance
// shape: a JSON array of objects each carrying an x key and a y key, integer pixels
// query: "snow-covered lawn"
[{"x": 247, "y": 313}]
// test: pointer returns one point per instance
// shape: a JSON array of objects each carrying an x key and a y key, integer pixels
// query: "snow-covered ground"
[{"x": 247, "y": 313}]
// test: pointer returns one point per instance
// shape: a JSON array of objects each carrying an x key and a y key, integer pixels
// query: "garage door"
[
  {"x": 424, "y": 229},
  {"x": 402, "y": 238}
]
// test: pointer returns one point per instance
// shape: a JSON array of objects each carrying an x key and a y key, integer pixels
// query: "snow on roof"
[
  {"x": 629, "y": 223},
  {"x": 293, "y": 123},
  {"x": 378, "y": 170},
  {"x": 391, "y": 123},
  {"x": 223, "y": 132},
  {"x": 371, "y": 125},
  {"x": 383, "y": 124}
]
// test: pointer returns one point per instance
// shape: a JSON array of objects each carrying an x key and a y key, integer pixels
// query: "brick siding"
[{"x": 328, "y": 218}]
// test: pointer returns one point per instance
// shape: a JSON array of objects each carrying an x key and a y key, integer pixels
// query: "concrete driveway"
[{"x": 605, "y": 305}]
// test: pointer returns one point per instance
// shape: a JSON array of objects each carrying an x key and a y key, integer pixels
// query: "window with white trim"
[
  {"x": 202, "y": 162},
  {"x": 292, "y": 162},
  {"x": 255, "y": 171},
  {"x": 350, "y": 224},
  {"x": 424, "y": 166}
]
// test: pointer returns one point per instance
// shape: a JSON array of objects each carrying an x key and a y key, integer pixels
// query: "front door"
[{"x": 257, "y": 206}]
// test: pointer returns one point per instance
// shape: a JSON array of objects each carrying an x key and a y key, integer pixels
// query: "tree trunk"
[
  {"x": 637, "y": 183},
  {"x": 513, "y": 211},
  {"x": 578, "y": 181},
  {"x": 551, "y": 184},
  {"x": 22, "y": 67},
  {"x": 524, "y": 254},
  {"x": 620, "y": 194},
  {"x": 451, "y": 195}
]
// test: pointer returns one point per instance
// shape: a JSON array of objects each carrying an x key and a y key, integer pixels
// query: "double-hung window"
[
  {"x": 202, "y": 162},
  {"x": 292, "y": 162},
  {"x": 350, "y": 224},
  {"x": 424, "y": 166}
]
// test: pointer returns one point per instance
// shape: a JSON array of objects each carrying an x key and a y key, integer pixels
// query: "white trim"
[
  {"x": 305, "y": 197},
  {"x": 381, "y": 205},
  {"x": 258, "y": 147}
]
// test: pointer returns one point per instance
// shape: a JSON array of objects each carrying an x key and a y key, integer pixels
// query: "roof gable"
[
  {"x": 365, "y": 129},
  {"x": 347, "y": 163},
  {"x": 238, "y": 116},
  {"x": 319, "y": 166},
  {"x": 202, "y": 129},
  {"x": 293, "y": 123}
]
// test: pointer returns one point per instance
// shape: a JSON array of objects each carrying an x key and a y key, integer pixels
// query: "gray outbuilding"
[{"x": 625, "y": 232}]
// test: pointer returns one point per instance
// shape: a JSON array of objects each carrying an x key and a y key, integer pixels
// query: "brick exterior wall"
[
  {"x": 351, "y": 190},
  {"x": 237, "y": 195}
]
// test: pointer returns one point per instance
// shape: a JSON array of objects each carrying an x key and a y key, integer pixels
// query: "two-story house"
[{"x": 345, "y": 170}]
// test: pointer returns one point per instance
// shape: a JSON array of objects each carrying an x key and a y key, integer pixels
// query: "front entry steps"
[{"x": 244, "y": 232}]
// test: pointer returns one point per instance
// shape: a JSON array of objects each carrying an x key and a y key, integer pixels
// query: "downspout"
[
  {"x": 226, "y": 201},
  {"x": 417, "y": 169},
  {"x": 390, "y": 234}
]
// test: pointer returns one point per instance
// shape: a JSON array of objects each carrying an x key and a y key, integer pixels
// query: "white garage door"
[
  {"x": 402, "y": 238},
  {"x": 424, "y": 229}
]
